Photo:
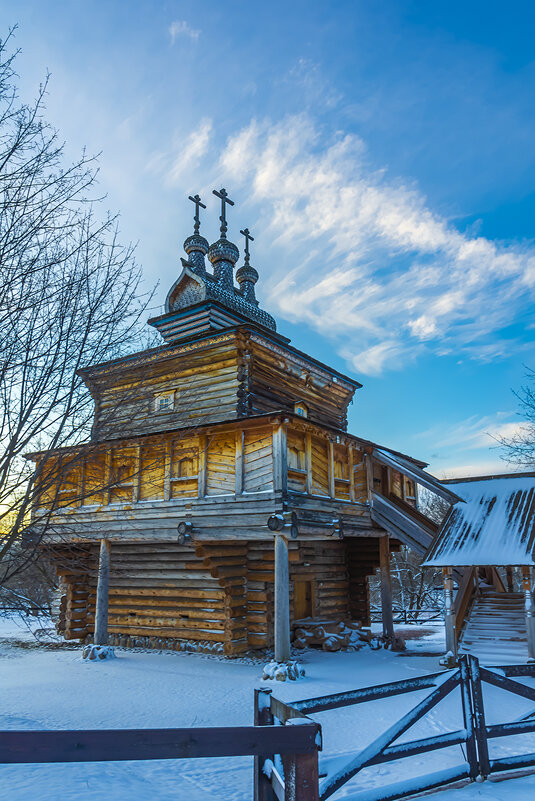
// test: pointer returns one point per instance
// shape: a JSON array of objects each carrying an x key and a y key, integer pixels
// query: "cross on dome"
[
  {"x": 223, "y": 195},
  {"x": 197, "y": 200},
  {"x": 248, "y": 238}
]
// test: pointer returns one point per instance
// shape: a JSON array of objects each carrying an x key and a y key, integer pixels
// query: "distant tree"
[
  {"x": 414, "y": 586},
  {"x": 69, "y": 297},
  {"x": 519, "y": 449}
]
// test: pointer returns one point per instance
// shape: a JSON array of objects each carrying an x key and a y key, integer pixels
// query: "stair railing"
[{"x": 464, "y": 599}]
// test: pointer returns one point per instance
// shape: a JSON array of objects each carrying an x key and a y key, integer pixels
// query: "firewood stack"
[{"x": 331, "y": 635}]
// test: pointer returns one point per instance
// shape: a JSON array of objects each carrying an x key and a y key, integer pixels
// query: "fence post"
[
  {"x": 468, "y": 716},
  {"x": 262, "y": 717},
  {"x": 301, "y": 777},
  {"x": 479, "y": 718}
]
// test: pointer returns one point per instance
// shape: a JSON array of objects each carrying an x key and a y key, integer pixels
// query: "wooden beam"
[
  {"x": 103, "y": 586},
  {"x": 331, "y": 469},
  {"x": 386, "y": 587},
  {"x": 527, "y": 573},
  {"x": 112, "y": 745},
  {"x": 167, "y": 471},
  {"x": 351, "y": 474},
  {"x": 368, "y": 462},
  {"x": 239, "y": 463},
  {"x": 262, "y": 717},
  {"x": 282, "y": 600},
  {"x": 280, "y": 459},
  {"x": 449, "y": 611},
  {"x": 308, "y": 462},
  {"x": 201, "y": 481}
]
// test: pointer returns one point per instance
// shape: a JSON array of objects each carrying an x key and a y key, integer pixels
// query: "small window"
[
  {"x": 164, "y": 402},
  {"x": 301, "y": 409}
]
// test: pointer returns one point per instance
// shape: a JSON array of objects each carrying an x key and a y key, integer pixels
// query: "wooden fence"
[
  {"x": 409, "y": 615},
  {"x": 285, "y": 741},
  {"x": 298, "y": 744},
  {"x": 469, "y": 677}
]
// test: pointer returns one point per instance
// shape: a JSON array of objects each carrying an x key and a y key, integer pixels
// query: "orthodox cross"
[
  {"x": 248, "y": 238},
  {"x": 224, "y": 200},
  {"x": 196, "y": 199}
]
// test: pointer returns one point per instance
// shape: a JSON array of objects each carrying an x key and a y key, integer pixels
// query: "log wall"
[{"x": 212, "y": 596}]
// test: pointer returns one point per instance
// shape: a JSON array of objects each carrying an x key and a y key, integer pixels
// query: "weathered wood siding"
[
  {"x": 275, "y": 378},
  {"x": 132, "y": 480},
  {"x": 202, "y": 386}
]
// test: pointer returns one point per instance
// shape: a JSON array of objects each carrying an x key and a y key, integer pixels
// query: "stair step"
[{"x": 495, "y": 631}]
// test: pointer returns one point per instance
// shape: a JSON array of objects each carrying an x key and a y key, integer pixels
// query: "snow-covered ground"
[{"x": 54, "y": 689}]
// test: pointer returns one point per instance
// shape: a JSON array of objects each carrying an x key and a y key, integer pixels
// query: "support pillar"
[
  {"x": 103, "y": 586},
  {"x": 509, "y": 578},
  {"x": 282, "y": 600},
  {"x": 528, "y": 609},
  {"x": 386, "y": 587},
  {"x": 449, "y": 612}
]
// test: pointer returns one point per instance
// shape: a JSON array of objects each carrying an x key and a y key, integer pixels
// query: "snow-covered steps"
[{"x": 495, "y": 631}]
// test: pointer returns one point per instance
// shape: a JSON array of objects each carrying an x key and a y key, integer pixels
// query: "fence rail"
[
  {"x": 285, "y": 741},
  {"x": 299, "y": 746},
  {"x": 468, "y": 676},
  {"x": 405, "y": 616}
]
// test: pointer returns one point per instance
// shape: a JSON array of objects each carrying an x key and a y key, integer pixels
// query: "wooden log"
[
  {"x": 449, "y": 612},
  {"x": 527, "y": 573},
  {"x": 386, "y": 587},
  {"x": 103, "y": 586},
  {"x": 282, "y": 600}
]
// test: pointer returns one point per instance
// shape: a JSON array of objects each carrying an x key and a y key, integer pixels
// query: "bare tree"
[
  {"x": 69, "y": 297},
  {"x": 519, "y": 449}
]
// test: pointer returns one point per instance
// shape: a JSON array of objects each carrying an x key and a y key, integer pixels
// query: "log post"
[
  {"x": 528, "y": 609},
  {"x": 103, "y": 586},
  {"x": 280, "y": 466},
  {"x": 449, "y": 612},
  {"x": 301, "y": 777},
  {"x": 263, "y": 790},
  {"x": 509, "y": 578},
  {"x": 282, "y": 600},
  {"x": 386, "y": 587}
]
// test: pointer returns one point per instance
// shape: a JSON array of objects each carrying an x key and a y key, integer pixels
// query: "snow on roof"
[{"x": 494, "y": 526}]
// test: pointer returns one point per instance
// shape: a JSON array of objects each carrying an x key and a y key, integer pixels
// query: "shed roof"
[{"x": 495, "y": 525}]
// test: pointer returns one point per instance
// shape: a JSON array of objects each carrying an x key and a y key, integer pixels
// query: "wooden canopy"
[{"x": 494, "y": 525}]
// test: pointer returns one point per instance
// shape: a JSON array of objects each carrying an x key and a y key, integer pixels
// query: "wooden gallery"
[{"x": 220, "y": 497}]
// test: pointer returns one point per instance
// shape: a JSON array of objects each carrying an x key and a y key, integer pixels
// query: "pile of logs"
[{"x": 331, "y": 635}]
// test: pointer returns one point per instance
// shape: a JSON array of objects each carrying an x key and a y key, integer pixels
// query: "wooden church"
[{"x": 221, "y": 498}]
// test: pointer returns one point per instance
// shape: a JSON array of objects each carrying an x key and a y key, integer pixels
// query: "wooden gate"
[{"x": 468, "y": 676}]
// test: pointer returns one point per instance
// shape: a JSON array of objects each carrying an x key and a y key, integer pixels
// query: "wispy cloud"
[
  {"x": 465, "y": 470},
  {"x": 366, "y": 252},
  {"x": 180, "y": 28},
  {"x": 184, "y": 156},
  {"x": 474, "y": 432}
]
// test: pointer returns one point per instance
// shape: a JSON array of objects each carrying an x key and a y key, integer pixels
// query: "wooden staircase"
[{"x": 495, "y": 629}]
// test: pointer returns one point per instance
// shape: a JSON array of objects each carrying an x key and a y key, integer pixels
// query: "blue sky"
[{"x": 381, "y": 154}]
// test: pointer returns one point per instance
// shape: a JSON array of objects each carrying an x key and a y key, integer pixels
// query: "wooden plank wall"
[
  {"x": 278, "y": 378},
  {"x": 204, "y": 384}
]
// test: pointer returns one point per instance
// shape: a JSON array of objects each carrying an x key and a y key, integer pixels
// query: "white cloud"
[
  {"x": 466, "y": 470},
  {"x": 184, "y": 156},
  {"x": 364, "y": 258},
  {"x": 474, "y": 432},
  {"x": 181, "y": 28}
]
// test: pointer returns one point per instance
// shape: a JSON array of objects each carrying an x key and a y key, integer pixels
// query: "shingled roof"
[{"x": 494, "y": 525}]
